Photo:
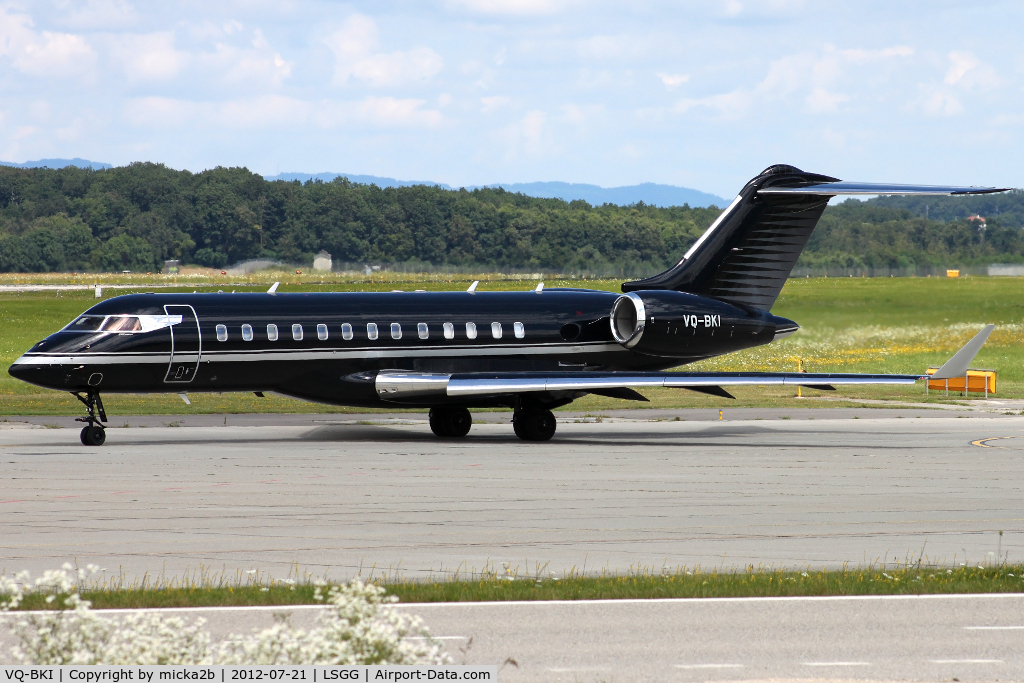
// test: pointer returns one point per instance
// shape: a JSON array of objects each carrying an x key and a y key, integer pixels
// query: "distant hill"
[
  {"x": 649, "y": 193},
  {"x": 58, "y": 163}
]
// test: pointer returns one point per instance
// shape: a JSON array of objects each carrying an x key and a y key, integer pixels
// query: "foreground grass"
[
  {"x": 907, "y": 580},
  {"x": 897, "y": 325}
]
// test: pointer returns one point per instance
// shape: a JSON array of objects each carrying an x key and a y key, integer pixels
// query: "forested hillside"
[{"x": 137, "y": 216}]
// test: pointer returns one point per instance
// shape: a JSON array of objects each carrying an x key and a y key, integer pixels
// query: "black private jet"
[{"x": 529, "y": 351}]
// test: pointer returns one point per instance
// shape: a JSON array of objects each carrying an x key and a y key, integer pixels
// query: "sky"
[{"x": 471, "y": 92}]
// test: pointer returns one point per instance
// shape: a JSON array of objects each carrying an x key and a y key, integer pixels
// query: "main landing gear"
[
  {"x": 452, "y": 421},
  {"x": 534, "y": 424},
  {"x": 93, "y": 433},
  {"x": 531, "y": 423}
]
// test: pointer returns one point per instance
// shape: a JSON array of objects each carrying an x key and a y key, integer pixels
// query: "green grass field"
[
  {"x": 907, "y": 579},
  {"x": 893, "y": 325}
]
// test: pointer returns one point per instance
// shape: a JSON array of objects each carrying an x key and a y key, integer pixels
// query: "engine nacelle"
[{"x": 681, "y": 325}]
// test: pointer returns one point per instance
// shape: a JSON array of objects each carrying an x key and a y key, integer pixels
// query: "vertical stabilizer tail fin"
[{"x": 747, "y": 254}]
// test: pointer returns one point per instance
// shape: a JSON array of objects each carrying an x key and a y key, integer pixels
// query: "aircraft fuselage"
[{"x": 329, "y": 347}]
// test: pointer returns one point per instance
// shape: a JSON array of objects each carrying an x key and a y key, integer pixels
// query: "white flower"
[{"x": 360, "y": 626}]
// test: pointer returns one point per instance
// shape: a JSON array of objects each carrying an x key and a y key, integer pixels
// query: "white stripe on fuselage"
[{"x": 319, "y": 354}]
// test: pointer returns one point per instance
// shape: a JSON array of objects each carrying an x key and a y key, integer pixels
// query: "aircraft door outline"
[{"x": 186, "y": 345}]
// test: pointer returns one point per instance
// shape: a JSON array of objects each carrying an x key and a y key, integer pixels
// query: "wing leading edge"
[{"x": 397, "y": 385}]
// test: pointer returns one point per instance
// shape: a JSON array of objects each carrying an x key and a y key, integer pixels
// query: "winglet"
[
  {"x": 540, "y": 288},
  {"x": 957, "y": 365},
  {"x": 273, "y": 288},
  {"x": 472, "y": 287}
]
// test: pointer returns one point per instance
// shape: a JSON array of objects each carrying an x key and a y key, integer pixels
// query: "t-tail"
[{"x": 746, "y": 255}]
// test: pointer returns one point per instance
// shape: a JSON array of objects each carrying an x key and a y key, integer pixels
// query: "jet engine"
[{"x": 677, "y": 324}]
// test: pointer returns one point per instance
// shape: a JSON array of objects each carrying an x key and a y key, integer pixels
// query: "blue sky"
[{"x": 468, "y": 92}]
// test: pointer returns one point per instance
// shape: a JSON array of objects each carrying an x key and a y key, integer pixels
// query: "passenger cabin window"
[
  {"x": 449, "y": 331},
  {"x": 321, "y": 332},
  {"x": 297, "y": 332},
  {"x": 471, "y": 330},
  {"x": 88, "y": 323},
  {"x": 272, "y": 332},
  {"x": 247, "y": 332},
  {"x": 346, "y": 332},
  {"x": 422, "y": 330},
  {"x": 396, "y": 331},
  {"x": 519, "y": 330},
  {"x": 222, "y": 332},
  {"x": 371, "y": 330},
  {"x": 496, "y": 330}
]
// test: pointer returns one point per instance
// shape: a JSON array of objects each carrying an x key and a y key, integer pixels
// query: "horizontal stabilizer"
[
  {"x": 845, "y": 187},
  {"x": 958, "y": 364}
]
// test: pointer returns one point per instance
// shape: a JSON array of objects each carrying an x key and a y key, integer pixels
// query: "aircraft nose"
[{"x": 19, "y": 370}]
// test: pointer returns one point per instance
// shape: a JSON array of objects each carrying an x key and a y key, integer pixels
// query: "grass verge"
[{"x": 908, "y": 580}]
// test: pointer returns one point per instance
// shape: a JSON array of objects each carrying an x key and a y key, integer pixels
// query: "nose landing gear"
[{"x": 93, "y": 433}]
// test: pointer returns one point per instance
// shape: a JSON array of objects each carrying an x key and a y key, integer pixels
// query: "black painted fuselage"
[{"x": 329, "y": 347}]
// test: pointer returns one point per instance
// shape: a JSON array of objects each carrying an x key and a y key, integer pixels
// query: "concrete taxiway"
[{"x": 341, "y": 496}]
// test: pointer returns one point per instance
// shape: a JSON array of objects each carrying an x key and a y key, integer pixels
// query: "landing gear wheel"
[
  {"x": 450, "y": 421},
  {"x": 534, "y": 425},
  {"x": 93, "y": 433},
  {"x": 93, "y": 436}
]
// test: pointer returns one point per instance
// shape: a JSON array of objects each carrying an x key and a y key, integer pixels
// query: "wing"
[
  {"x": 395, "y": 385},
  {"x": 401, "y": 386}
]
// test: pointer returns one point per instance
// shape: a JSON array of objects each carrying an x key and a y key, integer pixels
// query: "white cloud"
[
  {"x": 353, "y": 47},
  {"x": 673, "y": 80},
  {"x": 521, "y": 7},
  {"x": 392, "y": 111},
  {"x": 46, "y": 54},
  {"x": 151, "y": 57},
  {"x": 962, "y": 63},
  {"x": 104, "y": 15},
  {"x": 494, "y": 103},
  {"x": 527, "y": 136},
  {"x": 967, "y": 71},
  {"x": 270, "y": 112},
  {"x": 793, "y": 75},
  {"x": 822, "y": 101},
  {"x": 938, "y": 103},
  {"x": 731, "y": 105}
]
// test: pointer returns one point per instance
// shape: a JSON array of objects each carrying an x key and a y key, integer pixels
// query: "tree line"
[{"x": 135, "y": 217}]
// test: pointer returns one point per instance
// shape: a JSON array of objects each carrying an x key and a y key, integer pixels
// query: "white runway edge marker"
[
  {"x": 994, "y": 628},
  {"x": 966, "y": 661},
  {"x": 709, "y": 666},
  {"x": 836, "y": 663}
]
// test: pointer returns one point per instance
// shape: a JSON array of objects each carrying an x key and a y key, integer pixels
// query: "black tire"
[
  {"x": 535, "y": 425},
  {"x": 93, "y": 436},
  {"x": 450, "y": 421}
]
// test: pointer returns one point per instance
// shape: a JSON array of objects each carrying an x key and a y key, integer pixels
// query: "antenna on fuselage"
[
  {"x": 472, "y": 287},
  {"x": 273, "y": 288}
]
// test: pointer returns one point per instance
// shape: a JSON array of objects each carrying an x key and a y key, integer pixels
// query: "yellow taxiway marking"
[{"x": 983, "y": 443}]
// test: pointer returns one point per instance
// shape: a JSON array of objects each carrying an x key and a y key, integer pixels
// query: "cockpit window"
[
  {"x": 122, "y": 323},
  {"x": 87, "y": 323}
]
